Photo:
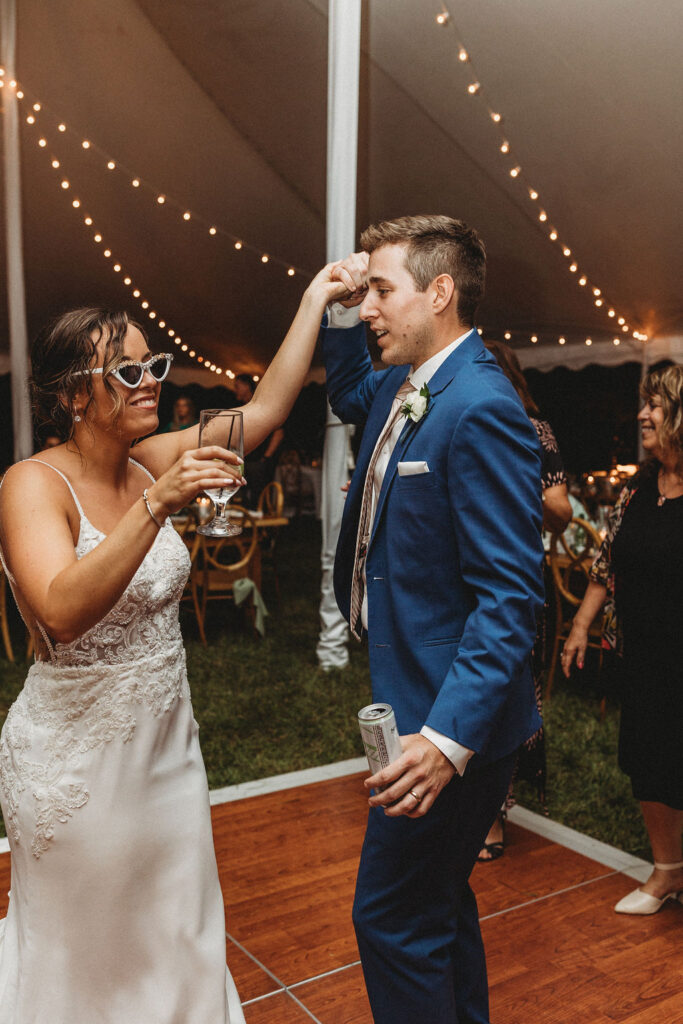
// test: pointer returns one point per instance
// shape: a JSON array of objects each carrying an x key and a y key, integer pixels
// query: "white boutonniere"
[{"x": 416, "y": 405}]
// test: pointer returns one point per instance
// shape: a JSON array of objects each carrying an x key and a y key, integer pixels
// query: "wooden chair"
[
  {"x": 271, "y": 500},
  {"x": 219, "y": 562},
  {"x": 271, "y": 504},
  {"x": 571, "y": 556}
]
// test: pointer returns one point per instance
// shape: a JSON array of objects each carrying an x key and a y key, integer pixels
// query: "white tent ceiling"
[{"x": 220, "y": 106}]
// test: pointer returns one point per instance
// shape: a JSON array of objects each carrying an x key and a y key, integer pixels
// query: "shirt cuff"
[
  {"x": 454, "y": 751},
  {"x": 340, "y": 316}
]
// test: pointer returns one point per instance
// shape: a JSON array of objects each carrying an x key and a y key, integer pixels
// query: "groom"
[{"x": 439, "y": 566}]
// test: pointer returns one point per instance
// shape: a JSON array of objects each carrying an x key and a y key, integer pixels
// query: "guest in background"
[
  {"x": 259, "y": 467},
  {"x": 557, "y": 512},
  {"x": 184, "y": 415},
  {"x": 50, "y": 441},
  {"x": 639, "y": 570}
]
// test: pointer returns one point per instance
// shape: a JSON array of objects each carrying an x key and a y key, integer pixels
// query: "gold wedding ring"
[{"x": 418, "y": 798}]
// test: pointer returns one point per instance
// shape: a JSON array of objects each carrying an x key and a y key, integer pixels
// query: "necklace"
[{"x": 662, "y": 497}]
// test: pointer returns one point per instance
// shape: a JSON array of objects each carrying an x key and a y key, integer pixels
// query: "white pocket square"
[{"x": 412, "y": 468}]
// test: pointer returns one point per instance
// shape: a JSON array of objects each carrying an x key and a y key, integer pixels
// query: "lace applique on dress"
[{"x": 86, "y": 695}]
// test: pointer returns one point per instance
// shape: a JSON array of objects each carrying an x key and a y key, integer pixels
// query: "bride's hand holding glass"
[{"x": 197, "y": 470}]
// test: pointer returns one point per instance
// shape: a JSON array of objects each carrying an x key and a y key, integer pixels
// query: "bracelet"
[{"x": 145, "y": 498}]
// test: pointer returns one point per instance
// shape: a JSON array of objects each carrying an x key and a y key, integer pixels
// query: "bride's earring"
[{"x": 77, "y": 418}]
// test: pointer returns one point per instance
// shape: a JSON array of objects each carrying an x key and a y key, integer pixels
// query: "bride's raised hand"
[
  {"x": 195, "y": 471},
  {"x": 342, "y": 281},
  {"x": 353, "y": 272}
]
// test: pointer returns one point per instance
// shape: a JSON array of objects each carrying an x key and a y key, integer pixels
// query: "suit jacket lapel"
[{"x": 467, "y": 351}]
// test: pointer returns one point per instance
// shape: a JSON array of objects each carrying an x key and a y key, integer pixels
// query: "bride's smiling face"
[{"x": 129, "y": 412}]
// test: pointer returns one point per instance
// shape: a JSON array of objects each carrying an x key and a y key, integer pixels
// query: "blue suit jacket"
[{"x": 454, "y": 564}]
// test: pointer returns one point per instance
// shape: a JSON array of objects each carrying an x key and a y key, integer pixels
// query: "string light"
[
  {"x": 161, "y": 198},
  {"x": 534, "y": 339},
  {"x": 152, "y": 314},
  {"x": 561, "y": 341},
  {"x": 589, "y": 341},
  {"x": 475, "y": 87},
  {"x": 507, "y": 335}
]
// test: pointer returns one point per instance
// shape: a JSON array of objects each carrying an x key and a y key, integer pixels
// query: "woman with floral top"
[
  {"x": 638, "y": 572},
  {"x": 557, "y": 512}
]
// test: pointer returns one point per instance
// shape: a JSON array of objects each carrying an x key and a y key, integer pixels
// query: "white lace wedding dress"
[{"x": 116, "y": 913}]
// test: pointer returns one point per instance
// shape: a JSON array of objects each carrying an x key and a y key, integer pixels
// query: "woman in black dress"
[{"x": 641, "y": 564}]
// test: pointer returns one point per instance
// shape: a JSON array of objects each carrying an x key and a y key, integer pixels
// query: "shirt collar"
[{"x": 418, "y": 378}]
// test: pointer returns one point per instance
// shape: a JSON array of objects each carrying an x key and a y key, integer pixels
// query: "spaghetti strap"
[
  {"x": 143, "y": 468},
  {"x": 66, "y": 481}
]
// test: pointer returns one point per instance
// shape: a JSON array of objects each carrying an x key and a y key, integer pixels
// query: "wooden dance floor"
[{"x": 557, "y": 953}]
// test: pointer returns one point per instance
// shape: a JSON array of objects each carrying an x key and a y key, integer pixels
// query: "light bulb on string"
[
  {"x": 30, "y": 119},
  {"x": 514, "y": 172},
  {"x": 145, "y": 304},
  {"x": 566, "y": 251},
  {"x": 473, "y": 88},
  {"x": 598, "y": 302},
  {"x": 610, "y": 312},
  {"x": 291, "y": 272},
  {"x": 137, "y": 293},
  {"x": 107, "y": 253},
  {"x": 187, "y": 215},
  {"x": 161, "y": 200},
  {"x": 497, "y": 118},
  {"x": 85, "y": 144},
  {"x": 36, "y": 107},
  {"x": 98, "y": 238},
  {"x": 616, "y": 341},
  {"x": 507, "y": 335},
  {"x": 621, "y": 320},
  {"x": 135, "y": 183},
  {"x": 127, "y": 281},
  {"x": 442, "y": 18},
  {"x": 111, "y": 165},
  {"x": 463, "y": 55},
  {"x": 55, "y": 164},
  {"x": 589, "y": 341},
  {"x": 265, "y": 258},
  {"x": 505, "y": 147},
  {"x": 573, "y": 268},
  {"x": 42, "y": 143},
  {"x": 212, "y": 231},
  {"x": 583, "y": 281},
  {"x": 553, "y": 235},
  {"x": 561, "y": 341},
  {"x": 61, "y": 127},
  {"x": 534, "y": 339},
  {"x": 596, "y": 291},
  {"x": 543, "y": 216},
  {"x": 238, "y": 245},
  {"x": 20, "y": 94}
]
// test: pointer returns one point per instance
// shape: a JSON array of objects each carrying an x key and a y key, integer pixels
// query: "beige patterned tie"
[{"x": 364, "y": 522}]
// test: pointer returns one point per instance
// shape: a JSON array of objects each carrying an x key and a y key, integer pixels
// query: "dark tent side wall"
[{"x": 592, "y": 411}]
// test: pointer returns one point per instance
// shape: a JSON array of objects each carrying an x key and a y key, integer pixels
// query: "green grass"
[{"x": 265, "y": 707}]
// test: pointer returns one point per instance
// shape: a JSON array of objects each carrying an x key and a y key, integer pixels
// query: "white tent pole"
[
  {"x": 16, "y": 301},
  {"x": 342, "y": 155}
]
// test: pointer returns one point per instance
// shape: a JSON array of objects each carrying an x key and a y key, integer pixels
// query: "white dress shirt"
[{"x": 339, "y": 316}]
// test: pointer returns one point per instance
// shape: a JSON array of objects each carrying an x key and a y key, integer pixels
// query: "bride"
[{"x": 116, "y": 913}]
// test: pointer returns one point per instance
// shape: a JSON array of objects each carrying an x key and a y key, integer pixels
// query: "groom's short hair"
[{"x": 436, "y": 244}]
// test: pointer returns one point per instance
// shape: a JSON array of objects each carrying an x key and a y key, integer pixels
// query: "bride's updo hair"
[{"x": 63, "y": 350}]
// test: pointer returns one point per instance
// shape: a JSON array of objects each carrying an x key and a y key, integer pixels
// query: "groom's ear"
[{"x": 443, "y": 290}]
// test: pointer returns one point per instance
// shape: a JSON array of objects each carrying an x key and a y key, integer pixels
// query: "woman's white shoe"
[{"x": 639, "y": 902}]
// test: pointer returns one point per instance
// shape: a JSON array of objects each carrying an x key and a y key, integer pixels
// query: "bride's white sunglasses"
[{"x": 130, "y": 371}]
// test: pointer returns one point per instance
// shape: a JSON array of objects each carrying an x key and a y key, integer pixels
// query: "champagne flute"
[{"x": 222, "y": 427}]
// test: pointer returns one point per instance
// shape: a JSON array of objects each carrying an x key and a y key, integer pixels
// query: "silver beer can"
[{"x": 380, "y": 735}]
